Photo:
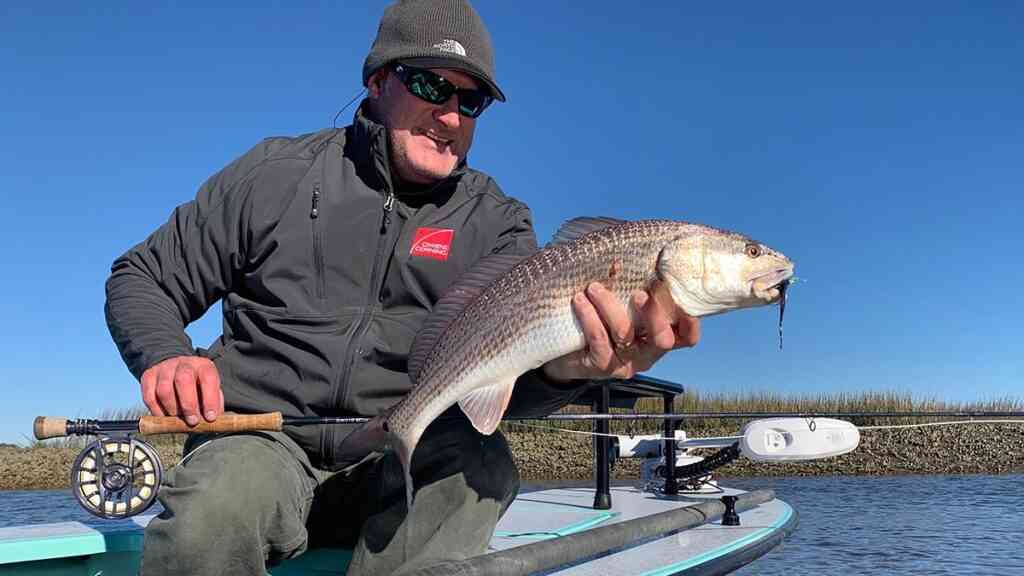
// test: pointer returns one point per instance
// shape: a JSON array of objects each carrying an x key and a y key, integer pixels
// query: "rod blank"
[{"x": 51, "y": 427}]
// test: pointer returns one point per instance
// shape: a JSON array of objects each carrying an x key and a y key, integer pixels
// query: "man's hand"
[
  {"x": 180, "y": 386},
  {"x": 616, "y": 347}
]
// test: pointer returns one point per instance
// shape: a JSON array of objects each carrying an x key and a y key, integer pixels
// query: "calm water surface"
[
  {"x": 898, "y": 525},
  {"x": 873, "y": 526}
]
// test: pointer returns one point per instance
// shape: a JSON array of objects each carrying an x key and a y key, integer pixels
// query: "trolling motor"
[{"x": 767, "y": 440}]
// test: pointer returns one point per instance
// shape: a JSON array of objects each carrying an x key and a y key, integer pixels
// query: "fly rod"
[
  {"x": 51, "y": 427},
  {"x": 118, "y": 475}
]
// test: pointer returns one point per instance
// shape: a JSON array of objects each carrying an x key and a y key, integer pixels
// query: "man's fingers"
[
  {"x": 598, "y": 353},
  {"x": 210, "y": 396},
  {"x": 639, "y": 299},
  {"x": 165, "y": 395},
  {"x": 658, "y": 326},
  {"x": 687, "y": 331},
  {"x": 646, "y": 355},
  {"x": 185, "y": 379},
  {"x": 620, "y": 341},
  {"x": 613, "y": 314},
  {"x": 187, "y": 386},
  {"x": 148, "y": 383},
  {"x": 670, "y": 327}
]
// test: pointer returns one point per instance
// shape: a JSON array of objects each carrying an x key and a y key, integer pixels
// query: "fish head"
[{"x": 712, "y": 271}]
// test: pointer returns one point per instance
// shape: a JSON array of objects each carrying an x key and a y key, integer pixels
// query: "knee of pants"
[{"x": 237, "y": 497}]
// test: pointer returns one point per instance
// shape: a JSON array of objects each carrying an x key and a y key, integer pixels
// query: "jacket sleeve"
[
  {"x": 534, "y": 395},
  {"x": 171, "y": 278}
]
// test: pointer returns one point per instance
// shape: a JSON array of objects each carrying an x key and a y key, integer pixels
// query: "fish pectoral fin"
[{"x": 485, "y": 406}]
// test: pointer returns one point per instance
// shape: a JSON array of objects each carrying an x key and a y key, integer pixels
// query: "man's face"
[{"x": 427, "y": 140}]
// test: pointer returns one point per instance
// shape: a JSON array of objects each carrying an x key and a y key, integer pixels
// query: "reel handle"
[{"x": 226, "y": 422}]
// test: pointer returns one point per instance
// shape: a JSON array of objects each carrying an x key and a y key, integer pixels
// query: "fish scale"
[
  {"x": 524, "y": 318},
  {"x": 535, "y": 299}
]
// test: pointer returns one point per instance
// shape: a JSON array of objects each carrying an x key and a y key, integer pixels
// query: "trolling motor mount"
[{"x": 116, "y": 477}]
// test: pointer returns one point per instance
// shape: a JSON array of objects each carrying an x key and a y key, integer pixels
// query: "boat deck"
[
  {"x": 113, "y": 547},
  {"x": 556, "y": 512}
]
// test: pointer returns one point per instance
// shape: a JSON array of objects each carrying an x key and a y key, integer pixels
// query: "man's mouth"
[{"x": 438, "y": 139}]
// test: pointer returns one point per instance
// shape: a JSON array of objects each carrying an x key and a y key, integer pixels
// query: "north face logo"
[
  {"x": 433, "y": 243},
  {"x": 450, "y": 46}
]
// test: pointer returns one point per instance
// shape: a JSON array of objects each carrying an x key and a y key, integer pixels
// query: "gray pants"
[{"x": 243, "y": 502}]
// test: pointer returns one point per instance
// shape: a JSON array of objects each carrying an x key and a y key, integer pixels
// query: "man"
[{"x": 316, "y": 247}]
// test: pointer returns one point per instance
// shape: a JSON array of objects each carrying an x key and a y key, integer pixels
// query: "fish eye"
[{"x": 753, "y": 250}]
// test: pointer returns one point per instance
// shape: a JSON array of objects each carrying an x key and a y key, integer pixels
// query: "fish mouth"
[{"x": 772, "y": 285}]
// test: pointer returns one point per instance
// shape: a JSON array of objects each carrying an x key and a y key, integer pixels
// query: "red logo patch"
[{"x": 433, "y": 243}]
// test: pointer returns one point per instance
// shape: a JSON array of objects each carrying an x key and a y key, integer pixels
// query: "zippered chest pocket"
[{"x": 318, "y": 249}]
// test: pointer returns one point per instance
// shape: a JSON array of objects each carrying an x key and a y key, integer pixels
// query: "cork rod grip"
[
  {"x": 226, "y": 422},
  {"x": 49, "y": 427}
]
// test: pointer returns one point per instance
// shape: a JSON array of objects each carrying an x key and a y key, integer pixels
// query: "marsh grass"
[{"x": 691, "y": 401}]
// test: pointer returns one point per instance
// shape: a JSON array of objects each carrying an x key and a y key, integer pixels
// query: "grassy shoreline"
[{"x": 553, "y": 455}]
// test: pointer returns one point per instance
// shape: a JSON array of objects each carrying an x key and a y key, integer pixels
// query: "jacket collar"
[
  {"x": 369, "y": 147},
  {"x": 373, "y": 160}
]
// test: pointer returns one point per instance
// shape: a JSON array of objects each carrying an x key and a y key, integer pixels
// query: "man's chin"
[{"x": 427, "y": 172}]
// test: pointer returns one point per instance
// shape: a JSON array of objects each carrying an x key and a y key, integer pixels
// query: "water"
[
  {"x": 21, "y": 508},
  {"x": 872, "y": 526},
  {"x": 898, "y": 525}
]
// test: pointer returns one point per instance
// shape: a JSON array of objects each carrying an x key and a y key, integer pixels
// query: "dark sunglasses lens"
[
  {"x": 435, "y": 89},
  {"x": 429, "y": 86},
  {"x": 472, "y": 103}
]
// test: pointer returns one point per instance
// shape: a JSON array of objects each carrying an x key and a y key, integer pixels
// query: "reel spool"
[{"x": 116, "y": 477}]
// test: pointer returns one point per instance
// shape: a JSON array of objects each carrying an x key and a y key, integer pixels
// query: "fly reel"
[{"x": 116, "y": 477}]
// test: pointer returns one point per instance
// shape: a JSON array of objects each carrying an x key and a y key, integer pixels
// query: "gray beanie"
[{"x": 434, "y": 34}]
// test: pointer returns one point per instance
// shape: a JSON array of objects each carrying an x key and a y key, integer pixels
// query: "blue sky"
[{"x": 877, "y": 144}]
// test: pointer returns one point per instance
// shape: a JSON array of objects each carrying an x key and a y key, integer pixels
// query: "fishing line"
[
  {"x": 609, "y": 435},
  {"x": 922, "y": 425},
  {"x": 734, "y": 438}
]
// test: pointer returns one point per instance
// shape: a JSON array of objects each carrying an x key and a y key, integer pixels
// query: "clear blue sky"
[{"x": 877, "y": 144}]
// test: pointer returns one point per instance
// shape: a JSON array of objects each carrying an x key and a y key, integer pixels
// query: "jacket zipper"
[
  {"x": 354, "y": 348},
  {"x": 318, "y": 252},
  {"x": 389, "y": 205}
]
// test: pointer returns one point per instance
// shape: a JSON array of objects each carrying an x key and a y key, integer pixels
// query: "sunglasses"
[{"x": 433, "y": 88}]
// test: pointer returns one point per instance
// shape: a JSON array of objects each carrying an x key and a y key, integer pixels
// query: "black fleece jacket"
[{"x": 325, "y": 271}]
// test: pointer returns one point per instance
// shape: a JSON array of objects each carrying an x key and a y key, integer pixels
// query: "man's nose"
[{"x": 448, "y": 113}]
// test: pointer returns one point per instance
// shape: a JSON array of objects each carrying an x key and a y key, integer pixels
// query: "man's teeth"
[{"x": 438, "y": 139}]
